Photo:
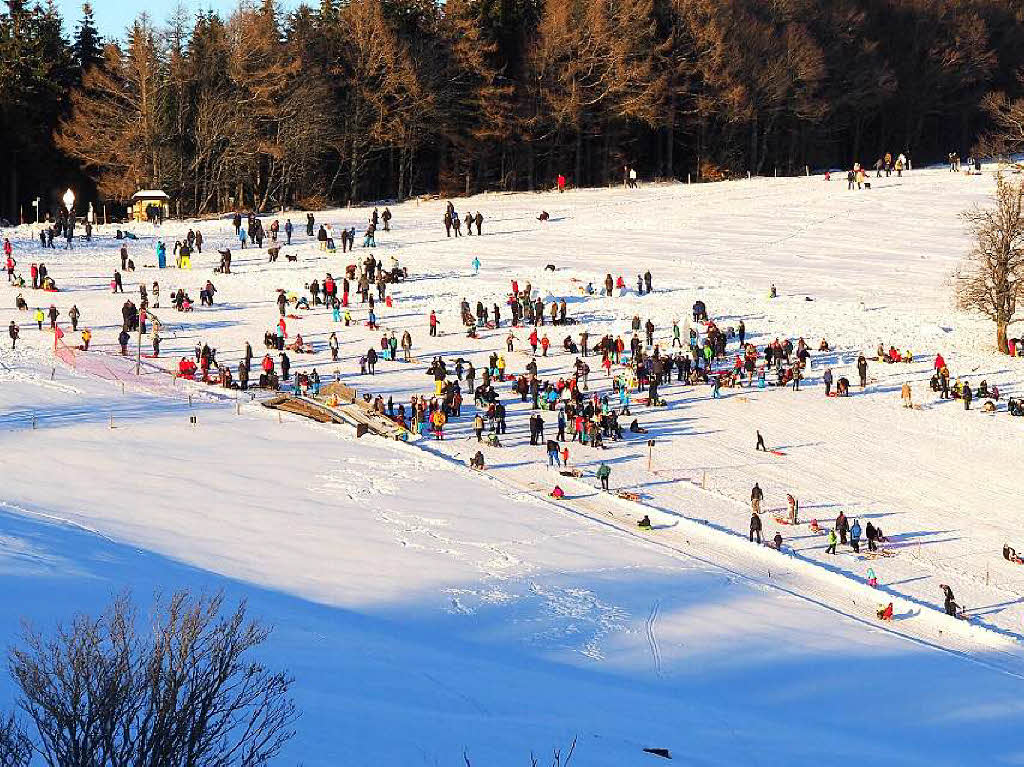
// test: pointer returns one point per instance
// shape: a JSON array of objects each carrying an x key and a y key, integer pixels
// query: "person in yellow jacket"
[
  {"x": 438, "y": 421},
  {"x": 39, "y": 316},
  {"x": 86, "y": 338},
  {"x": 501, "y": 367}
]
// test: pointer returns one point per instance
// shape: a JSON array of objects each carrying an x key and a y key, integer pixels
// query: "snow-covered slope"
[{"x": 426, "y": 609}]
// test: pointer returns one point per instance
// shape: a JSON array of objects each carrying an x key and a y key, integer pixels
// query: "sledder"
[
  {"x": 1010, "y": 555},
  {"x": 885, "y": 613}
]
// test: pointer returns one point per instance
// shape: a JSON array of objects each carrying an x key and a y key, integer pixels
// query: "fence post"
[
  {"x": 33, "y": 420},
  {"x": 111, "y": 420},
  {"x": 704, "y": 480}
]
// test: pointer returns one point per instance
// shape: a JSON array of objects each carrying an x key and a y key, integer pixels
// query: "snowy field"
[{"x": 427, "y": 610}]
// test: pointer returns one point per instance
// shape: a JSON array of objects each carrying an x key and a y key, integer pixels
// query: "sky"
[{"x": 114, "y": 16}]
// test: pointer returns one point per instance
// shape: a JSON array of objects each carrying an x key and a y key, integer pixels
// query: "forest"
[{"x": 371, "y": 99}]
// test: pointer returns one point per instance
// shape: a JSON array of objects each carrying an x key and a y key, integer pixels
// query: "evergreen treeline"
[{"x": 383, "y": 98}]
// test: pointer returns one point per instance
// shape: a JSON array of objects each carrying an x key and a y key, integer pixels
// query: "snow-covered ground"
[{"x": 426, "y": 609}]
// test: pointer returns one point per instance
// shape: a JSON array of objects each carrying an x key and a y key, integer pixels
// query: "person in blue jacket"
[
  {"x": 161, "y": 255},
  {"x": 855, "y": 536}
]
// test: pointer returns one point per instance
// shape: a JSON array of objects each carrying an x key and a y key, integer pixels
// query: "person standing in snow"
[
  {"x": 827, "y": 378},
  {"x": 603, "y": 472},
  {"x": 760, "y": 443},
  {"x": 842, "y": 527},
  {"x": 855, "y": 536},
  {"x": 13, "y": 331},
  {"x": 756, "y": 496},
  {"x": 949, "y": 601},
  {"x": 831, "y": 549},
  {"x": 862, "y": 370},
  {"x": 755, "y": 527}
]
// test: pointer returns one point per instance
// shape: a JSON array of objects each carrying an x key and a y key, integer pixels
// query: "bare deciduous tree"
[
  {"x": 185, "y": 693},
  {"x": 15, "y": 746},
  {"x": 991, "y": 280}
]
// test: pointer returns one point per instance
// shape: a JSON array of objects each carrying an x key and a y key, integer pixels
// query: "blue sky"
[{"x": 114, "y": 16}]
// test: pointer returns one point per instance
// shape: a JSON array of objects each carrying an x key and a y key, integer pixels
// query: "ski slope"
[{"x": 428, "y": 611}]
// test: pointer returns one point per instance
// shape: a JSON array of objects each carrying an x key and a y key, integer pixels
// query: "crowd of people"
[{"x": 600, "y": 377}]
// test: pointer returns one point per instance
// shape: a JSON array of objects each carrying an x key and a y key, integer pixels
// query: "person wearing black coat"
[
  {"x": 949, "y": 601},
  {"x": 371, "y": 359},
  {"x": 755, "y": 527},
  {"x": 872, "y": 535}
]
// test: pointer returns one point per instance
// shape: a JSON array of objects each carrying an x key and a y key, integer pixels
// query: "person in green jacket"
[
  {"x": 603, "y": 472},
  {"x": 832, "y": 541}
]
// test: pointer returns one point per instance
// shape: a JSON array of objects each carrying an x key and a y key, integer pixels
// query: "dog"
[{"x": 291, "y": 258}]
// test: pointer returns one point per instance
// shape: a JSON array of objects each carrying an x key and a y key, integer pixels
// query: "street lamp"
[{"x": 69, "y": 200}]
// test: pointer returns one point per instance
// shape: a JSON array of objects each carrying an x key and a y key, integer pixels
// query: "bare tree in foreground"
[
  {"x": 15, "y": 746},
  {"x": 183, "y": 694},
  {"x": 991, "y": 280}
]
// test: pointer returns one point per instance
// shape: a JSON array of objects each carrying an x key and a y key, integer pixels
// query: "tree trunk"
[
  {"x": 1001, "y": 333},
  {"x": 401, "y": 174},
  {"x": 752, "y": 163},
  {"x": 578, "y": 180}
]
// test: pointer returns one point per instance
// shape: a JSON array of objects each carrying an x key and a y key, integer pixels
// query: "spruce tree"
[{"x": 88, "y": 45}]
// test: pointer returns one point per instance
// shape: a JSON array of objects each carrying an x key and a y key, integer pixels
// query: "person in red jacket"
[
  {"x": 939, "y": 362},
  {"x": 561, "y": 183}
]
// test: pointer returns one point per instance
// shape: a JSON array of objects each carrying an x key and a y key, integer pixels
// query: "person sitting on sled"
[
  {"x": 885, "y": 613},
  {"x": 1010, "y": 555},
  {"x": 557, "y": 492},
  {"x": 645, "y": 523}
]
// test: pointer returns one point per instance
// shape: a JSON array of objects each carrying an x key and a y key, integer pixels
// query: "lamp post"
[{"x": 69, "y": 200}]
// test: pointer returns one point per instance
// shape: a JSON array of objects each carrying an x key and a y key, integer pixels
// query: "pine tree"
[{"x": 88, "y": 45}]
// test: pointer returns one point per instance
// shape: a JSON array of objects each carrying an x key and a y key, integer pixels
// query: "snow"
[{"x": 427, "y": 610}]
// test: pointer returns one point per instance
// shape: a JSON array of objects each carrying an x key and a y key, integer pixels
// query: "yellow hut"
[{"x": 144, "y": 199}]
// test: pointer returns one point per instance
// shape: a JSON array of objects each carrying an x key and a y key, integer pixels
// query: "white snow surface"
[{"x": 430, "y": 612}]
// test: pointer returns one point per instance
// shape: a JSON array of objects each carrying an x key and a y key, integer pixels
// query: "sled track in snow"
[{"x": 652, "y": 640}]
